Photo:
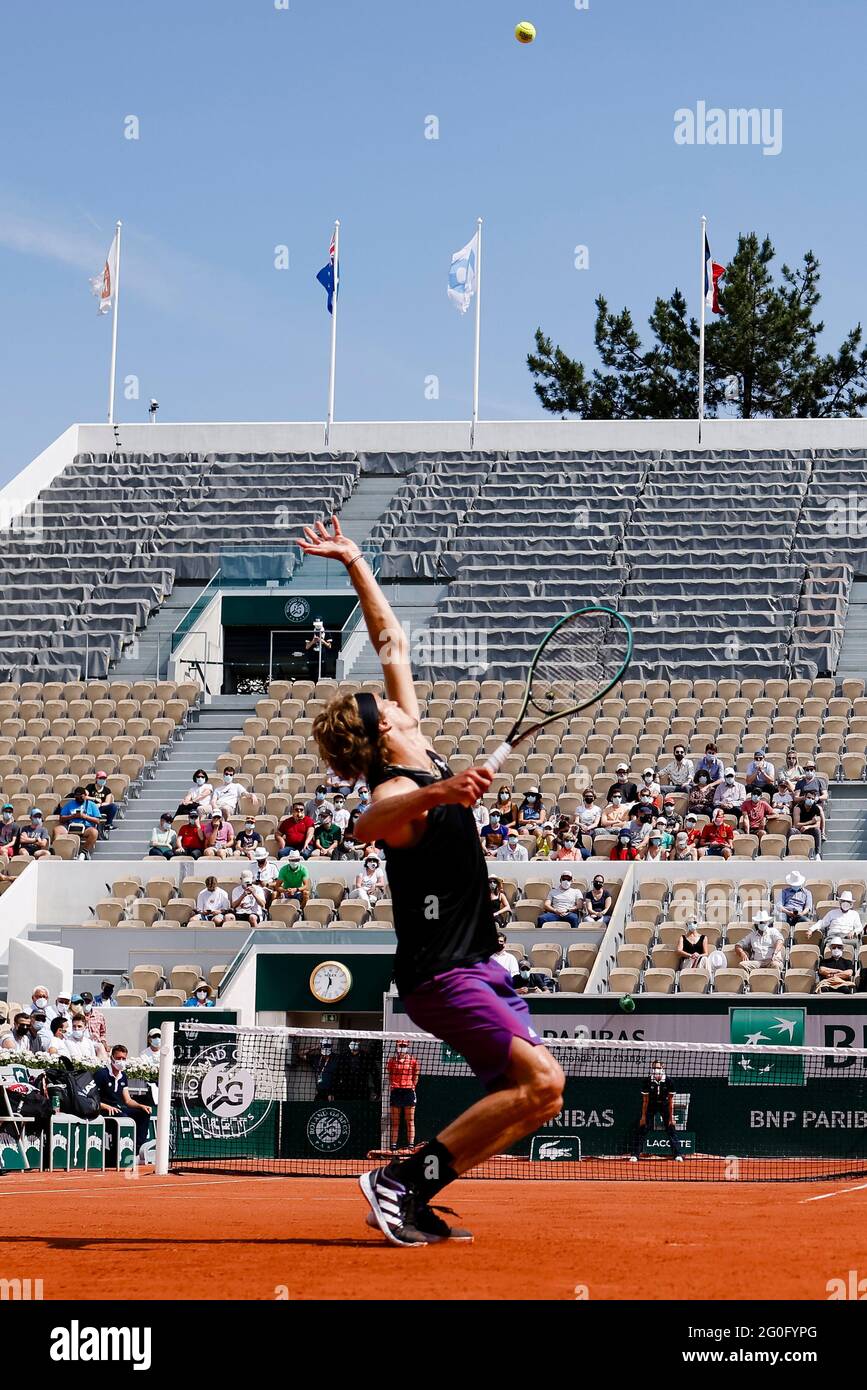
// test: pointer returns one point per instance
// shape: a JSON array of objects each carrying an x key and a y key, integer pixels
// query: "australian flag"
[{"x": 328, "y": 277}]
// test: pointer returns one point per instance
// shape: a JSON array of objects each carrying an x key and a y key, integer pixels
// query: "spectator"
[
  {"x": 587, "y": 820},
  {"x": 191, "y": 837},
  {"x": 363, "y": 805},
  {"x": 730, "y": 793},
  {"x": 669, "y": 807},
  {"x": 716, "y": 839},
  {"x": 370, "y": 887},
  {"x": 499, "y": 904},
  {"x": 213, "y": 904},
  {"x": 40, "y": 1033},
  {"x": 754, "y": 815},
  {"x": 569, "y": 848},
  {"x": 480, "y": 815},
  {"x": 682, "y": 851},
  {"x": 61, "y": 1006},
  {"x": 701, "y": 795},
  {"x": 808, "y": 818},
  {"x": 164, "y": 841},
  {"x": 219, "y": 839},
  {"x": 227, "y": 795},
  {"x": 692, "y": 947},
  {"x": 80, "y": 816},
  {"x": 655, "y": 852},
  {"x": 640, "y": 828},
  {"x": 293, "y": 880},
  {"x": 598, "y": 904},
  {"x": 513, "y": 850},
  {"x": 627, "y": 790},
  {"x": 23, "y": 1035},
  {"x": 198, "y": 798},
  {"x": 265, "y": 872},
  {"x": 563, "y": 904},
  {"x": 615, "y": 813},
  {"x": 505, "y": 807},
  {"x": 835, "y": 973},
  {"x": 692, "y": 828},
  {"x": 59, "y": 1028},
  {"x": 792, "y": 771},
  {"x": 151, "y": 1055},
  {"x": 531, "y": 812},
  {"x": 79, "y": 1044},
  {"x": 33, "y": 838},
  {"x": 95, "y": 1021},
  {"x": 493, "y": 835},
  {"x": 318, "y": 803},
  {"x": 296, "y": 831},
  {"x": 248, "y": 840},
  {"x": 39, "y": 1003},
  {"x": 679, "y": 773},
  {"x": 650, "y": 784},
  {"x": 341, "y": 815},
  {"x": 783, "y": 798},
  {"x": 763, "y": 947},
  {"x": 503, "y": 956},
  {"x": 811, "y": 784},
  {"x": 760, "y": 773},
  {"x": 545, "y": 843},
  {"x": 327, "y": 839},
  {"x": 325, "y": 1068},
  {"x": 529, "y": 981},
  {"x": 105, "y": 999},
  {"x": 668, "y": 828},
  {"x": 112, "y": 1085},
  {"x": 842, "y": 922},
  {"x": 8, "y": 830},
  {"x": 624, "y": 849},
  {"x": 248, "y": 901},
  {"x": 710, "y": 764},
  {"x": 100, "y": 792},
  {"x": 201, "y": 997},
  {"x": 796, "y": 900}
]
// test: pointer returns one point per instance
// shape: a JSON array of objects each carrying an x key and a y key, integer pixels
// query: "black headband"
[{"x": 368, "y": 709}]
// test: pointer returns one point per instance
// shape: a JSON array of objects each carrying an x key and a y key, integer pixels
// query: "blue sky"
[{"x": 259, "y": 126}]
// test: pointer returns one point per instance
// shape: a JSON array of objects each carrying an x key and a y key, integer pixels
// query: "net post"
[{"x": 164, "y": 1108}]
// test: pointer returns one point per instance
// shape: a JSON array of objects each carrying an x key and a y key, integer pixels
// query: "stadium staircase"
[
  {"x": 853, "y": 653},
  {"x": 846, "y": 822},
  {"x": 200, "y": 746},
  {"x": 148, "y": 657}
]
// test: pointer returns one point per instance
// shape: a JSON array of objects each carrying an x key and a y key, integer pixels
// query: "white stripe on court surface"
[{"x": 838, "y": 1193}]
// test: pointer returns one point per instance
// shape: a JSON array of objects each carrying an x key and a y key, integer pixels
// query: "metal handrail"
[{"x": 196, "y": 607}]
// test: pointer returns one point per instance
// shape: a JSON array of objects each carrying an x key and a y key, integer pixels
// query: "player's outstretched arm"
[
  {"x": 399, "y": 807},
  {"x": 386, "y": 634}
]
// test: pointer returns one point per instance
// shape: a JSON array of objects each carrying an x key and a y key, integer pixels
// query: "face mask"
[
  {"x": 117, "y": 1063},
  {"x": 836, "y": 952},
  {"x": 165, "y": 825},
  {"x": 7, "y": 816},
  {"x": 525, "y": 972},
  {"x": 200, "y": 781},
  {"x": 616, "y": 800},
  {"x": 504, "y": 796},
  {"x": 808, "y": 801},
  {"x": 155, "y": 1044},
  {"x": 568, "y": 843},
  {"x": 364, "y": 796},
  {"x": 40, "y": 1002},
  {"x": 565, "y": 883},
  {"x": 598, "y": 883},
  {"x": 250, "y": 827},
  {"x": 37, "y": 820},
  {"x": 320, "y": 796},
  {"x": 63, "y": 1008},
  {"x": 100, "y": 781},
  {"x": 88, "y": 1008},
  {"x": 201, "y": 994},
  {"x": 19, "y": 1032},
  {"x": 78, "y": 1032},
  {"x": 678, "y": 753},
  {"x": 648, "y": 776},
  {"x": 588, "y": 801},
  {"x": 371, "y": 867},
  {"x": 729, "y": 777}
]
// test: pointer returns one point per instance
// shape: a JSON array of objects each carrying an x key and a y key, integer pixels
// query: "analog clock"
[{"x": 330, "y": 982}]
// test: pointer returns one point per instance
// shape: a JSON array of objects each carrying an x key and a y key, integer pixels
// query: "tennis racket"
[{"x": 576, "y": 664}]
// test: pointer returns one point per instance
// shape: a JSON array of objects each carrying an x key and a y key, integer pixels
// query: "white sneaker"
[
  {"x": 82, "y": 855},
  {"x": 678, "y": 1158},
  {"x": 633, "y": 1158}
]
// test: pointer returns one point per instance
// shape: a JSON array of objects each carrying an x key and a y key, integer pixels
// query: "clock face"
[{"x": 330, "y": 982}]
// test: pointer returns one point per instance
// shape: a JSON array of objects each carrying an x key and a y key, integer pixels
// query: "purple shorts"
[{"x": 474, "y": 1009}]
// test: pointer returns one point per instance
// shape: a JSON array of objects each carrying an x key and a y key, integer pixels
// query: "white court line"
[
  {"x": 839, "y": 1192},
  {"x": 133, "y": 1184}
]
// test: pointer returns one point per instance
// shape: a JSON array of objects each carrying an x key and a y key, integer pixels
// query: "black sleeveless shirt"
[{"x": 441, "y": 901}]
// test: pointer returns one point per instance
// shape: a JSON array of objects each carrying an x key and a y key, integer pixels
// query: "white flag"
[
  {"x": 462, "y": 275},
  {"x": 103, "y": 286}
]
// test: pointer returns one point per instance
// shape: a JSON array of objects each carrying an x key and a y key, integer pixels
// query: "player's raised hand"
[
  {"x": 466, "y": 788},
  {"x": 328, "y": 545}
]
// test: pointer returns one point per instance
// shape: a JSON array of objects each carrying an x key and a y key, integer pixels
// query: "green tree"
[{"x": 762, "y": 354}]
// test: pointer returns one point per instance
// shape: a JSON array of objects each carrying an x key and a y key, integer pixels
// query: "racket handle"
[{"x": 498, "y": 757}]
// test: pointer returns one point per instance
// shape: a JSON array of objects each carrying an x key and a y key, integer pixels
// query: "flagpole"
[
  {"x": 114, "y": 302},
  {"x": 475, "y": 419},
  {"x": 334, "y": 301},
  {"x": 701, "y": 333}
]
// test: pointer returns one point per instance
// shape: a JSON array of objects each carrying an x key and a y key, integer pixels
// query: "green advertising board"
[{"x": 766, "y": 1028}]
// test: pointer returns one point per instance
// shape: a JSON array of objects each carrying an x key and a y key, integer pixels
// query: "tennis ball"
[
  {"x": 627, "y": 1004},
  {"x": 525, "y": 32}
]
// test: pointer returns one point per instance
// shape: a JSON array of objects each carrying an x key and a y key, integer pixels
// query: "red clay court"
[{"x": 203, "y": 1236}]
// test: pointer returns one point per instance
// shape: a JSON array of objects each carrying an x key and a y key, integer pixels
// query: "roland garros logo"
[
  {"x": 218, "y": 1097},
  {"x": 328, "y": 1130}
]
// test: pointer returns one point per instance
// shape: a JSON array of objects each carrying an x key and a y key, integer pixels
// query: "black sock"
[{"x": 426, "y": 1172}]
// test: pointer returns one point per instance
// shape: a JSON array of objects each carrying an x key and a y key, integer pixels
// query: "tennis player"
[{"x": 443, "y": 919}]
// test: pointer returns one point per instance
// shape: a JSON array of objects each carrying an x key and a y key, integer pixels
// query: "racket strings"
[{"x": 579, "y": 660}]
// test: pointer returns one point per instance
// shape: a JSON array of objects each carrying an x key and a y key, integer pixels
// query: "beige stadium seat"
[
  {"x": 191, "y": 887},
  {"x": 354, "y": 912},
  {"x": 333, "y": 889},
  {"x": 638, "y": 934},
  {"x": 319, "y": 910},
  {"x": 126, "y": 888},
  {"x": 572, "y": 981},
  {"x": 745, "y": 847},
  {"x": 525, "y": 911},
  {"x": 215, "y": 976},
  {"x": 623, "y": 981},
  {"x": 285, "y": 914},
  {"x": 146, "y": 910},
  {"x": 67, "y": 847},
  {"x": 147, "y": 978},
  {"x": 170, "y": 999},
  {"x": 764, "y": 982},
  {"x": 546, "y": 955},
  {"x": 537, "y": 889},
  {"x": 772, "y": 847},
  {"x": 631, "y": 957},
  {"x": 130, "y": 998},
  {"x": 163, "y": 889},
  {"x": 695, "y": 981},
  {"x": 642, "y": 911},
  {"x": 185, "y": 978},
  {"x": 659, "y": 981},
  {"x": 803, "y": 957},
  {"x": 384, "y": 912},
  {"x": 110, "y": 910},
  {"x": 179, "y": 910},
  {"x": 799, "y": 982},
  {"x": 665, "y": 958},
  {"x": 580, "y": 956},
  {"x": 729, "y": 982}
]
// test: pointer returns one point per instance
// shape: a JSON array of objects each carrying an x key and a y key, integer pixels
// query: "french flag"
[{"x": 713, "y": 273}]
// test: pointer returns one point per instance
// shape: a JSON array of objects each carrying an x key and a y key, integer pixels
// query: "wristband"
[{"x": 355, "y": 559}]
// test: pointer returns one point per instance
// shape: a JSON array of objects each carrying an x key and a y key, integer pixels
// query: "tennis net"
[{"x": 319, "y": 1103}]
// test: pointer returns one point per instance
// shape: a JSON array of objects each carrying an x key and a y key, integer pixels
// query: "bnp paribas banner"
[{"x": 830, "y": 1028}]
